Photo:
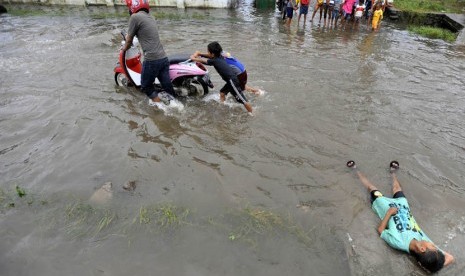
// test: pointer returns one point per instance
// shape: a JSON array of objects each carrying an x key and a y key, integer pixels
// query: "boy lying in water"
[{"x": 398, "y": 227}]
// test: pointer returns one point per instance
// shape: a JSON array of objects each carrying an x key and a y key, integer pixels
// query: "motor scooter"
[{"x": 188, "y": 78}]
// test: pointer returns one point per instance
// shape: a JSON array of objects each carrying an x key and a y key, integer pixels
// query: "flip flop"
[
  {"x": 351, "y": 164},
  {"x": 394, "y": 165}
]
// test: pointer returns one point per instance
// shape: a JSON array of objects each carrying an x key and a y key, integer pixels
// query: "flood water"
[{"x": 220, "y": 192}]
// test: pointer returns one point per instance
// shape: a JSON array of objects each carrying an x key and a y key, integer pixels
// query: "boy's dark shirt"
[{"x": 223, "y": 69}]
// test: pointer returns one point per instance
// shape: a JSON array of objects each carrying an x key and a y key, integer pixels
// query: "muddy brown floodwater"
[{"x": 218, "y": 192}]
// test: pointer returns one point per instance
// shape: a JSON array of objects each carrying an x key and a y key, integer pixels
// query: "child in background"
[
  {"x": 326, "y": 8},
  {"x": 291, "y": 7},
  {"x": 359, "y": 9},
  {"x": 303, "y": 10},
  {"x": 225, "y": 71},
  {"x": 297, "y": 5},
  {"x": 347, "y": 11},
  {"x": 377, "y": 16},
  {"x": 318, "y": 6},
  {"x": 335, "y": 13},
  {"x": 368, "y": 11}
]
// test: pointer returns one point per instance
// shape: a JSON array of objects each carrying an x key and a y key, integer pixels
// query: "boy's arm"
[
  {"x": 390, "y": 212},
  {"x": 200, "y": 54},
  {"x": 199, "y": 59},
  {"x": 448, "y": 258}
]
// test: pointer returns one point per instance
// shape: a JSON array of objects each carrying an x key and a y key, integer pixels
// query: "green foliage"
[
  {"x": 84, "y": 219},
  {"x": 79, "y": 219},
  {"x": 159, "y": 14},
  {"x": 99, "y": 12},
  {"x": 9, "y": 199},
  {"x": 251, "y": 223},
  {"x": 163, "y": 215},
  {"x": 20, "y": 191},
  {"x": 452, "y": 6},
  {"x": 25, "y": 12},
  {"x": 433, "y": 32}
]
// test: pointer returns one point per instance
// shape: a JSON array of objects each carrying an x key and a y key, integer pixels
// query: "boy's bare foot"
[
  {"x": 252, "y": 89},
  {"x": 222, "y": 97},
  {"x": 248, "y": 106}
]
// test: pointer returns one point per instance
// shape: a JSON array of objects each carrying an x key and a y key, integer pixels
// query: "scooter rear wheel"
[
  {"x": 196, "y": 89},
  {"x": 121, "y": 79}
]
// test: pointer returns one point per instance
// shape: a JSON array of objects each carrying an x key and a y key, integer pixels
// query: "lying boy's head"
[
  {"x": 215, "y": 49},
  {"x": 431, "y": 258}
]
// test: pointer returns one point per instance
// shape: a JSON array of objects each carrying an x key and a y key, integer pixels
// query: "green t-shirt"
[{"x": 402, "y": 227}]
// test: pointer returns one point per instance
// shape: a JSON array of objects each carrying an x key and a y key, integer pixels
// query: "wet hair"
[
  {"x": 430, "y": 260},
  {"x": 215, "y": 49}
]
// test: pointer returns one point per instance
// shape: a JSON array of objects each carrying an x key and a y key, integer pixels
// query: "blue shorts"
[
  {"x": 303, "y": 9},
  {"x": 335, "y": 14},
  {"x": 289, "y": 12}
]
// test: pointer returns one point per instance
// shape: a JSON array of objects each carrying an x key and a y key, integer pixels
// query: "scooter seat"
[{"x": 177, "y": 58}]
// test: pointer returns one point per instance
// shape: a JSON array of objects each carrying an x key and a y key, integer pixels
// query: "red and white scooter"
[{"x": 189, "y": 78}]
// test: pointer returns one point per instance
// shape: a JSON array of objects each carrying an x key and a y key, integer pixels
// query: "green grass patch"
[
  {"x": 249, "y": 224},
  {"x": 83, "y": 219},
  {"x": 6, "y": 201},
  {"x": 27, "y": 12},
  {"x": 15, "y": 197},
  {"x": 163, "y": 215},
  {"x": 165, "y": 15},
  {"x": 78, "y": 219},
  {"x": 433, "y": 32},
  {"x": 98, "y": 12},
  {"x": 451, "y": 6}
]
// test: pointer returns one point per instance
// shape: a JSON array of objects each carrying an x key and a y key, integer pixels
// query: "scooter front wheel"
[{"x": 121, "y": 79}]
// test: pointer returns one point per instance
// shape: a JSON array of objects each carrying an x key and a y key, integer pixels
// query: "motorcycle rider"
[{"x": 156, "y": 63}]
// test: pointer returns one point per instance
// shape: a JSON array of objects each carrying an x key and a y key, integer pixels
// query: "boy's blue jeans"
[{"x": 159, "y": 69}]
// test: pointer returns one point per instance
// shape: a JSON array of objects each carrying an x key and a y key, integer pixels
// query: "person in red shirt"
[{"x": 303, "y": 10}]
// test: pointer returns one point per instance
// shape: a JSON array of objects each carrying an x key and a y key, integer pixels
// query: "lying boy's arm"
[
  {"x": 390, "y": 212},
  {"x": 448, "y": 258}
]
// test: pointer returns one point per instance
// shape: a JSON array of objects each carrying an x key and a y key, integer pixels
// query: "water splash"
[{"x": 175, "y": 105}]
